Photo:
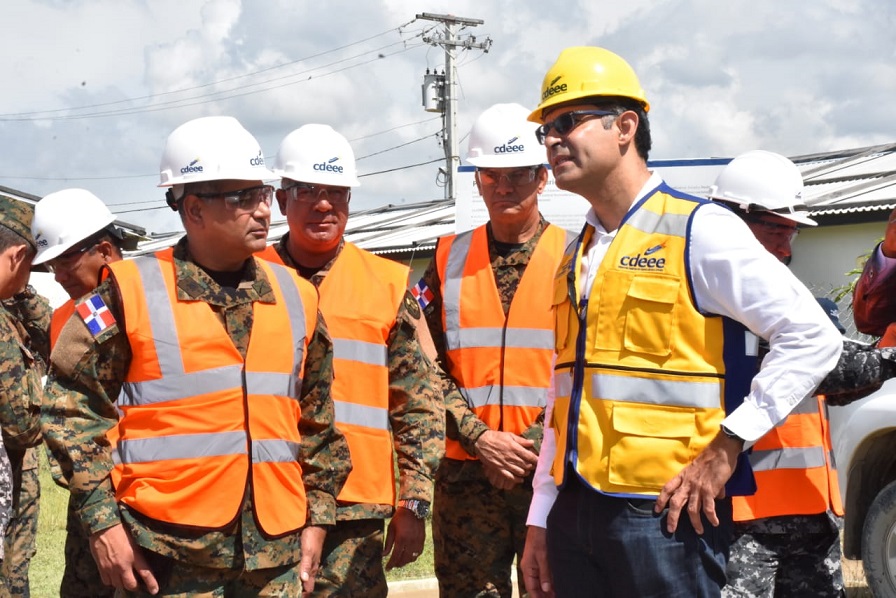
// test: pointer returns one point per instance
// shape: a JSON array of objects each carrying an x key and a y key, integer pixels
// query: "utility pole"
[{"x": 447, "y": 104}]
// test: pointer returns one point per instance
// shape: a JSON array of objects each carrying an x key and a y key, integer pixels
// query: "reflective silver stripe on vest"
[
  {"x": 667, "y": 224},
  {"x": 296, "y": 310},
  {"x": 516, "y": 338},
  {"x": 514, "y": 396},
  {"x": 787, "y": 458},
  {"x": 182, "y": 446},
  {"x": 361, "y": 415},
  {"x": 808, "y": 406},
  {"x": 176, "y": 384},
  {"x": 454, "y": 273},
  {"x": 270, "y": 383},
  {"x": 274, "y": 451},
  {"x": 172, "y": 387},
  {"x": 562, "y": 384},
  {"x": 360, "y": 351},
  {"x": 685, "y": 393}
]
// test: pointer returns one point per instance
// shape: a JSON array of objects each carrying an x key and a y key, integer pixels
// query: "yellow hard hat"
[{"x": 586, "y": 71}]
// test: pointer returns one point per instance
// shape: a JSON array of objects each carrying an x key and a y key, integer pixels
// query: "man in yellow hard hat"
[{"x": 654, "y": 307}]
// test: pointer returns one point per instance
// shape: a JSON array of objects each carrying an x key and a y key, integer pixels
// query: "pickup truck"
[{"x": 863, "y": 435}]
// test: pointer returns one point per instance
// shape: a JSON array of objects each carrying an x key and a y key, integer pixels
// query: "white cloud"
[{"x": 722, "y": 78}]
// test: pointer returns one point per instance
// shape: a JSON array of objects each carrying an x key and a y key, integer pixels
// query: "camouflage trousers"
[
  {"x": 352, "y": 560},
  {"x": 19, "y": 542},
  {"x": 477, "y": 530},
  {"x": 81, "y": 578},
  {"x": 786, "y": 557},
  {"x": 183, "y": 580}
]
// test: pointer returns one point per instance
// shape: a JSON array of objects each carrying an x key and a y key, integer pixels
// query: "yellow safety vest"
[{"x": 642, "y": 378}]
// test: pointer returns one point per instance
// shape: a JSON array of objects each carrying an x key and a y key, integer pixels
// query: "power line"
[
  {"x": 184, "y": 103},
  {"x": 419, "y": 122},
  {"x": 395, "y": 147},
  {"x": 401, "y": 168},
  {"x": 43, "y": 114}
]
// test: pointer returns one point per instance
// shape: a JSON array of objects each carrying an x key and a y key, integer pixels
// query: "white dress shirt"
[{"x": 733, "y": 276}]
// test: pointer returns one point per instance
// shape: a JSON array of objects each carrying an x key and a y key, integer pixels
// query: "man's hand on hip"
[{"x": 699, "y": 484}]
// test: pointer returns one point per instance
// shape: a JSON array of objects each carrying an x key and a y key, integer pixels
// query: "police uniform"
[
  {"x": 478, "y": 529},
  {"x": 88, "y": 372},
  {"x": 24, "y": 320},
  {"x": 403, "y": 415}
]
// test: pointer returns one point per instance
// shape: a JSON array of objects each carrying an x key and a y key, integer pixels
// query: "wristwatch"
[
  {"x": 420, "y": 508},
  {"x": 727, "y": 432}
]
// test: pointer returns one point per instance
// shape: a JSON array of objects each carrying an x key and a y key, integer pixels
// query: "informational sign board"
[{"x": 568, "y": 209}]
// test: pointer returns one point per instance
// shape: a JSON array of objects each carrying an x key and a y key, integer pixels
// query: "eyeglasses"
[
  {"x": 310, "y": 194},
  {"x": 565, "y": 123},
  {"x": 516, "y": 178},
  {"x": 777, "y": 229},
  {"x": 68, "y": 260},
  {"x": 244, "y": 200}
]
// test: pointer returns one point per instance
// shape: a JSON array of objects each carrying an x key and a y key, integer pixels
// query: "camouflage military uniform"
[
  {"x": 29, "y": 314},
  {"x": 791, "y": 555},
  {"x": 861, "y": 370},
  {"x": 477, "y": 529},
  {"x": 5, "y": 494},
  {"x": 85, "y": 378},
  {"x": 800, "y": 555},
  {"x": 351, "y": 564}
]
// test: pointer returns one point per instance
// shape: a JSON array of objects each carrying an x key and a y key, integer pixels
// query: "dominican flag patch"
[
  {"x": 95, "y": 314},
  {"x": 422, "y": 293}
]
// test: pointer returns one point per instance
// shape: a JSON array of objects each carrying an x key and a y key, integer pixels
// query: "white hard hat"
[
  {"x": 503, "y": 137},
  {"x": 318, "y": 155},
  {"x": 65, "y": 218},
  {"x": 212, "y": 148},
  {"x": 764, "y": 182}
]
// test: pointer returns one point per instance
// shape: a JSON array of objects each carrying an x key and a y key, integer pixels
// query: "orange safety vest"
[
  {"x": 501, "y": 364},
  {"x": 360, "y": 298},
  {"x": 60, "y": 316},
  {"x": 794, "y": 467},
  {"x": 197, "y": 419}
]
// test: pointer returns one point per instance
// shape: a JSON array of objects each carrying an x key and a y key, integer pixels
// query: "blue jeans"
[{"x": 600, "y": 545}]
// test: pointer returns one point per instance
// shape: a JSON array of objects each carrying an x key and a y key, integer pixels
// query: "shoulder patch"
[
  {"x": 410, "y": 304},
  {"x": 96, "y": 315},
  {"x": 422, "y": 294}
]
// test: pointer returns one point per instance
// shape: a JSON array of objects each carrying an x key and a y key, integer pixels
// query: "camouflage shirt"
[
  {"x": 22, "y": 369},
  {"x": 415, "y": 414},
  {"x": 86, "y": 376},
  {"x": 5, "y": 494},
  {"x": 461, "y": 422}
]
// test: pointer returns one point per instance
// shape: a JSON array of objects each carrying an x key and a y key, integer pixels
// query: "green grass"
[{"x": 48, "y": 563}]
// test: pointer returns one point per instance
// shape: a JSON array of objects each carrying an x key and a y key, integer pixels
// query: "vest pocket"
[
  {"x": 650, "y": 444},
  {"x": 649, "y": 314},
  {"x": 563, "y": 311}
]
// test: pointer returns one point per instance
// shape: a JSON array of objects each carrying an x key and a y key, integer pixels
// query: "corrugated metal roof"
[{"x": 853, "y": 181}]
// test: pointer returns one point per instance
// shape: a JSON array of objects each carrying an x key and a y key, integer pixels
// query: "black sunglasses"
[{"x": 565, "y": 123}]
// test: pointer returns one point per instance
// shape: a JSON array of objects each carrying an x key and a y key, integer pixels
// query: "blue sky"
[{"x": 93, "y": 87}]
